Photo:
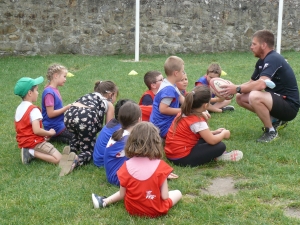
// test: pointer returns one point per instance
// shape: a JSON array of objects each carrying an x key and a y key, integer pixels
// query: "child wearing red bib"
[
  {"x": 189, "y": 141},
  {"x": 143, "y": 178}
]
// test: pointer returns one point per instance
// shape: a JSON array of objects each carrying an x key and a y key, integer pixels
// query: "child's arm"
[
  {"x": 212, "y": 138},
  {"x": 167, "y": 110},
  {"x": 110, "y": 112},
  {"x": 40, "y": 131},
  {"x": 181, "y": 99},
  {"x": 54, "y": 113},
  {"x": 216, "y": 99},
  {"x": 164, "y": 190}
]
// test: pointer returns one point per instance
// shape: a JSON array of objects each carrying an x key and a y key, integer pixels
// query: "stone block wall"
[{"x": 104, "y": 27}]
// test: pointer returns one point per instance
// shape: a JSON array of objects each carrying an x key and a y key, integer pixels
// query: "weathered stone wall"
[{"x": 101, "y": 27}]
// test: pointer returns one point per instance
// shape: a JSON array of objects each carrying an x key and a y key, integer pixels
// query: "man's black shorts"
[{"x": 281, "y": 108}]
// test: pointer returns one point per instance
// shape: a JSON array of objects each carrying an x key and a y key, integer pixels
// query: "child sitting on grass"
[
  {"x": 216, "y": 104},
  {"x": 168, "y": 97},
  {"x": 152, "y": 79},
  {"x": 105, "y": 134},
  {"x": 31, "y": 137},
  {"x": 52, "y": 105},
  {"x": 143, "y": 178},
  {"x": 189, "y": 141},
  {"x": 114, "y": 155}
]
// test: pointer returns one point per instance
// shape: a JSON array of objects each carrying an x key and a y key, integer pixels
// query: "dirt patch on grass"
[
  {"x": 221, "y": 187},
  {"x": 292, "y": 212}
]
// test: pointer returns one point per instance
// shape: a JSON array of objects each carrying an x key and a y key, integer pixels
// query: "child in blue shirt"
[
  {"x": 52, "y": 105},
  {"x": 105, "y": 134},
  {"x": 168, "y": 97},
  {"x": 114, "y": 155},
  {"x": 216, "y": 104}
]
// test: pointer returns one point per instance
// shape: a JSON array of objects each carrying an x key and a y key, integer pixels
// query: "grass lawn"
[{"x": 267, "y": 178}]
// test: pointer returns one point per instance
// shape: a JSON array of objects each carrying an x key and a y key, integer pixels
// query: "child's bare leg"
[
  {"x": 54, "y": 158},
  {"x": 222, "y": 104},
  {"x": 113, "y": 198},
  {"x": 175, "y": 196},
  {"x": 213, "y": 108}
]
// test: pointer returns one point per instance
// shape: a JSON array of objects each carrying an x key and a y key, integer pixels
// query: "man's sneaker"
[
  {"x": 228, "y": 108},
  {"x": 279, "y": 124},
  {"x": 234, "y": 155},
  {"x": 98, "y": 201},
  {"x": 26, "y": 156},
  {"x": 267, "y": 135}
]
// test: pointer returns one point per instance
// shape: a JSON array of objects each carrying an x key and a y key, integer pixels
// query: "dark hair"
[
  {"x": 105, "y": 87},
  {"x": 150, "y": 78},
  {"x": 129, "y": 115},
  {"x": 119, "y": 104},
  {"x": 144, "y": 141},
  {"x": 265, "y": 36},
  {"x": 31, "y": 89},
  {"x": 193, "y": 100},
  {"x": 173, "y": 63}
]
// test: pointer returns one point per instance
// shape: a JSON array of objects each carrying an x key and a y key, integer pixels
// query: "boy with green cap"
[{"x": 31, "y": 137}]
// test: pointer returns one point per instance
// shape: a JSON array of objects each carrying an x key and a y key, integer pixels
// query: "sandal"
[
  {"x": 66, "y": 163},
  {"x": 66, "y": 150}
]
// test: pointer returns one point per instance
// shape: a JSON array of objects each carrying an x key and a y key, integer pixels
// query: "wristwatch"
[{"x": 238, "y": 89}]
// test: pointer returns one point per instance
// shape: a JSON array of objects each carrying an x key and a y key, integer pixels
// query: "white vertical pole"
[
  {"x": 137, "y": 29},
  {"x": 279, "y": 26}
]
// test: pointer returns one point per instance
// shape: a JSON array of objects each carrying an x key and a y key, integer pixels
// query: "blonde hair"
[
  {"x": 53, "y": 69},
  {"x": 173, "y": 63},
  {"x": 144, "y": 141}
]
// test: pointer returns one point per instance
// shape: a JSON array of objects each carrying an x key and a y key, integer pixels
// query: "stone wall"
[{"x": 103, "y": 27}]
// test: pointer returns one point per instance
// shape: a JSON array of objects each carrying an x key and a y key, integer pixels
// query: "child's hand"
[
  {"x": 51, "y": 132},
  {"x": 218, "y": 130},
  {"x": 206, "y": 115},
  {"x": 226, "y": 133}
]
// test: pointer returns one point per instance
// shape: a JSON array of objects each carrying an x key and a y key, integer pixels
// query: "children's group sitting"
[{"x": 169, "y": 120}]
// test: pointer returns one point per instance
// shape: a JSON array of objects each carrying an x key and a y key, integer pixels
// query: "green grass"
[{"x": 267, "y": 177}]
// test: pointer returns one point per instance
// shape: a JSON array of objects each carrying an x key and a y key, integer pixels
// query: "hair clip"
[{"x": 193, "y": 92}]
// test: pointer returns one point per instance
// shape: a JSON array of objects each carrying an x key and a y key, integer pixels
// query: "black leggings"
[
  {"x": 64, "y": 137},
  {"x": 201, "y": 153}
]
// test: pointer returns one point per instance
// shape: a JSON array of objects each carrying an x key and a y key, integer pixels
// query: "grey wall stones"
[{"x": 104, "y": 27}]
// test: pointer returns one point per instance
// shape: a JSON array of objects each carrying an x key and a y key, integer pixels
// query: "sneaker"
[
  {"x": 228, "y": 108},
  {"x": 26, "y": 156},
  {"x": 234, "y": 155},
  {"x": 98, "y": 201},
  {"x": 267, "y": 135},
  {"x": 279, "y": 124}
]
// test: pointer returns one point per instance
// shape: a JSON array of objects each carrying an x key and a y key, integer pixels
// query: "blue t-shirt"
[
  {"x": 114, "y": 157},
  {"x": 102, "y": 140},
  {"x": 162, "y": 121},
  {"x": 57, "y": 123},
  {"x": 280, "y": 72}
]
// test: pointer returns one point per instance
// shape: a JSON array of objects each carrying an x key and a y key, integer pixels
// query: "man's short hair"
[{"x": 265, "y": 36}]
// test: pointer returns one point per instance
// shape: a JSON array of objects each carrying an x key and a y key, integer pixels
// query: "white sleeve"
[
  {"x": 198, "y": 126},
  {"x": 35, "y": 114},
  {"x": 167, "y": 101}
]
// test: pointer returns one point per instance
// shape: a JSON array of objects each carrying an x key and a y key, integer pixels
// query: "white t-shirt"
[{"x": 35, "y": 114}]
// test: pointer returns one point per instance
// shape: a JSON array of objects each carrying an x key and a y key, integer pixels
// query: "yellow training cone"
[
  {"x": 132, "y": 72},
  {"x": 223, "y": 73},
  {"x": 70, "y": 74}
]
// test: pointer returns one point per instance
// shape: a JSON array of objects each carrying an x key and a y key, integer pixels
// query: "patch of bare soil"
[
  {"x": 221, "y": 187},
  {"x": 292, "y": 212}
]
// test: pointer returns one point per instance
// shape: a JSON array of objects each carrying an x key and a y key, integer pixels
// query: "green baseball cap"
[{"x": 24, "y": 84}]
